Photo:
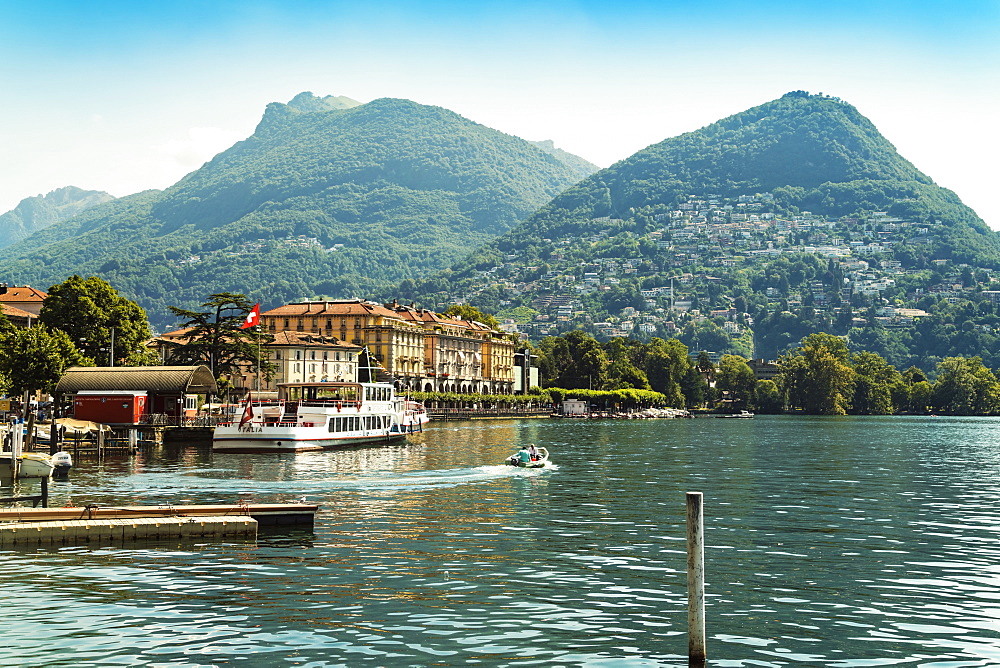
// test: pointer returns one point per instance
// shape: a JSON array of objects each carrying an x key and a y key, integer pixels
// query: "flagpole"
[{"x": 252, "y": 320}]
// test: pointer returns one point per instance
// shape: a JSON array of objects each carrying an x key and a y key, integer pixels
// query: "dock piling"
[{"x": 696, "y": 579}]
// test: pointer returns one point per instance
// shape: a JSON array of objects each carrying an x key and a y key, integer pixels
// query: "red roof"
[
  {"x": 290, "y": 338},
  {"x": 25, "y": 294},
  {"x": 340, "y": 308},
  {"x": 14, "y": 312}
]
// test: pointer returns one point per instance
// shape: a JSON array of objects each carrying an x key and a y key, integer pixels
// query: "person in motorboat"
[
  {"x": 533, "y": 451},
  {"x": 524, "y": 456}
]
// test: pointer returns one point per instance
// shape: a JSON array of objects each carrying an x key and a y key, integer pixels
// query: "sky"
[{"x": 123, "y": 96}]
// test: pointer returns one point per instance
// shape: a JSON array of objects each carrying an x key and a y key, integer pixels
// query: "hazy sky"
[{"x": 125, "y": 96}]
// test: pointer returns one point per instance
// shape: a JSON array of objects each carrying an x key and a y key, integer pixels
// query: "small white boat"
[
  {"x": 741, "y": 414},
  {"x": 540, "y": 462},
  {"x": 34, "y": 465}
]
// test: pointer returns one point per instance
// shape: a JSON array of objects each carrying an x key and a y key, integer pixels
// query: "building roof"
[
  {"x": 339, "y": 308},
  {"x": 292, "y": 338},
  {"x": 25, "y": 294},
  {"x": 424, "y": 316},
  {"x": 176, "y": 334},
  {"x": 420, "y": 315},
  {"x": 189, "y": 379},
  {"x": 14, "y": 312}
]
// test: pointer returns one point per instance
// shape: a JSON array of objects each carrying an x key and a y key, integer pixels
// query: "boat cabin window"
[
  {"x": 341, "y": 424},
  {"x": 377, "y": 394},
  {"x": 321, "y": 392}
]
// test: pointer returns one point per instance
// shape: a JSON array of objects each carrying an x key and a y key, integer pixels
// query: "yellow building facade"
[{"x": 421, "y": 349}]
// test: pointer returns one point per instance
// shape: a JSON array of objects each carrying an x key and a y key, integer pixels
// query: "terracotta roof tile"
[
  {"x": 345, "y": 308},
  {"x": 23, "y": 294},
  {"x": 290, "y": 338},
  {"x": 14, "y": 312}
]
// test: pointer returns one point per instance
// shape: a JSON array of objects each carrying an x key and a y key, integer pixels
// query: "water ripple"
[{"x": 830, "y": 542}]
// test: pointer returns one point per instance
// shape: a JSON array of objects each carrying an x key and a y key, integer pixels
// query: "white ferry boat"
[{"x": 321, "y": 416}]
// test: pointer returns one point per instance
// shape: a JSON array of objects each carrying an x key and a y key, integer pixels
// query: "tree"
[
  {"x": 874, "y": 379},
  {"x": 705, "y": 366},
  {"x": 767, "y": 397},
  {"x": 695, "y": 390},
  {"x": 216, "y": 339},
  {"x": 965, "y": 386},
  {"x": 623, "y": 372},
  {"x": 920, "y": 396},
  {"x": 736, "y": 377},
  {"x": 667, "y": 364},
  {"x": 817, "y": 376},
  {"x": 34, "y": 359},
  {"x": 469, "y": 312},
  {"x": 553, "y": 358},
  {"x": 106, "y": 326},
  {"x": 588, "y": 368}
]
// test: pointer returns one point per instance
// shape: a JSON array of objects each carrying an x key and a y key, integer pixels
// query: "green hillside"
[
  {"x": 36, "y": 213},
  {"x": 744, "y": 236},
  {"x": 327, "y": 198}
]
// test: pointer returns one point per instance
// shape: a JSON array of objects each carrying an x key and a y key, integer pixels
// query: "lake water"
[{"x": 829, "y": 542}]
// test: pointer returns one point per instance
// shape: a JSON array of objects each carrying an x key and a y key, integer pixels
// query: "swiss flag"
[
  {"x": 253, "y": 317},
  {"x": 247, "y": 412}
]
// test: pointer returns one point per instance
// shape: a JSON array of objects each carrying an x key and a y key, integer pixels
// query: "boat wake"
[
  {"x": 505, "y": 470},
  {"x": 442, "y": 478},
  {"x": 312, "y": 486}
]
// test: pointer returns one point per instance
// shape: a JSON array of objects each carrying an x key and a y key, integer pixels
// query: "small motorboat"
[
  {"x": 741, "y": 414},
  {"x": 538, "y": 463},
  {"x": 35, "y": 465}
]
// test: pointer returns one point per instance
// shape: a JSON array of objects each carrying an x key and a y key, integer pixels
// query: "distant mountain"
[
  {"x": 36, "y": 213},
  {"x": 309, "y": 102},
  {"x": 791, "y": 217},
  {"x": 582, "y": 167},
  {"x": 814, "y": 152},
  {"x": 328, "y": 197}
]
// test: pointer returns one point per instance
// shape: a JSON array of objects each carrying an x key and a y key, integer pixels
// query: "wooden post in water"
[
  {"x": 29, "y": 431},
  {"x": 696, "y": 579},
  {"x": 100, "y": 443}
]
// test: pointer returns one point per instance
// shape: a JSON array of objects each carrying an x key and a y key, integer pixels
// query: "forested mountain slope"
[
  {"x": 327, "y": 198},
  {"x": 792, "y": 217},
  {"x": 36, "y": 213}
]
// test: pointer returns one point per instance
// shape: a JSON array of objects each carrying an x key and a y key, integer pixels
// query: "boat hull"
[
  {"x": 231, "y": 439},
  {"x": 532, "y": 465},
  {"x": 30, "y": 465}
]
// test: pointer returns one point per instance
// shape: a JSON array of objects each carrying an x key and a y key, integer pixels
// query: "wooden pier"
[
  {"x": 267, "y": 514},
  {"x": 118, "y": 531},
  {"x": 94, "y": 524}
]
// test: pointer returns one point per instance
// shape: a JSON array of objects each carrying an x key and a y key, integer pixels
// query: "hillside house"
[{"x": 25, "y": 298}]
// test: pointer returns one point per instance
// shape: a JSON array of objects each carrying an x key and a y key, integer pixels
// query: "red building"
[
  {"x": 110, "y": 407},
  {"x": 133, "y": 395}
]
